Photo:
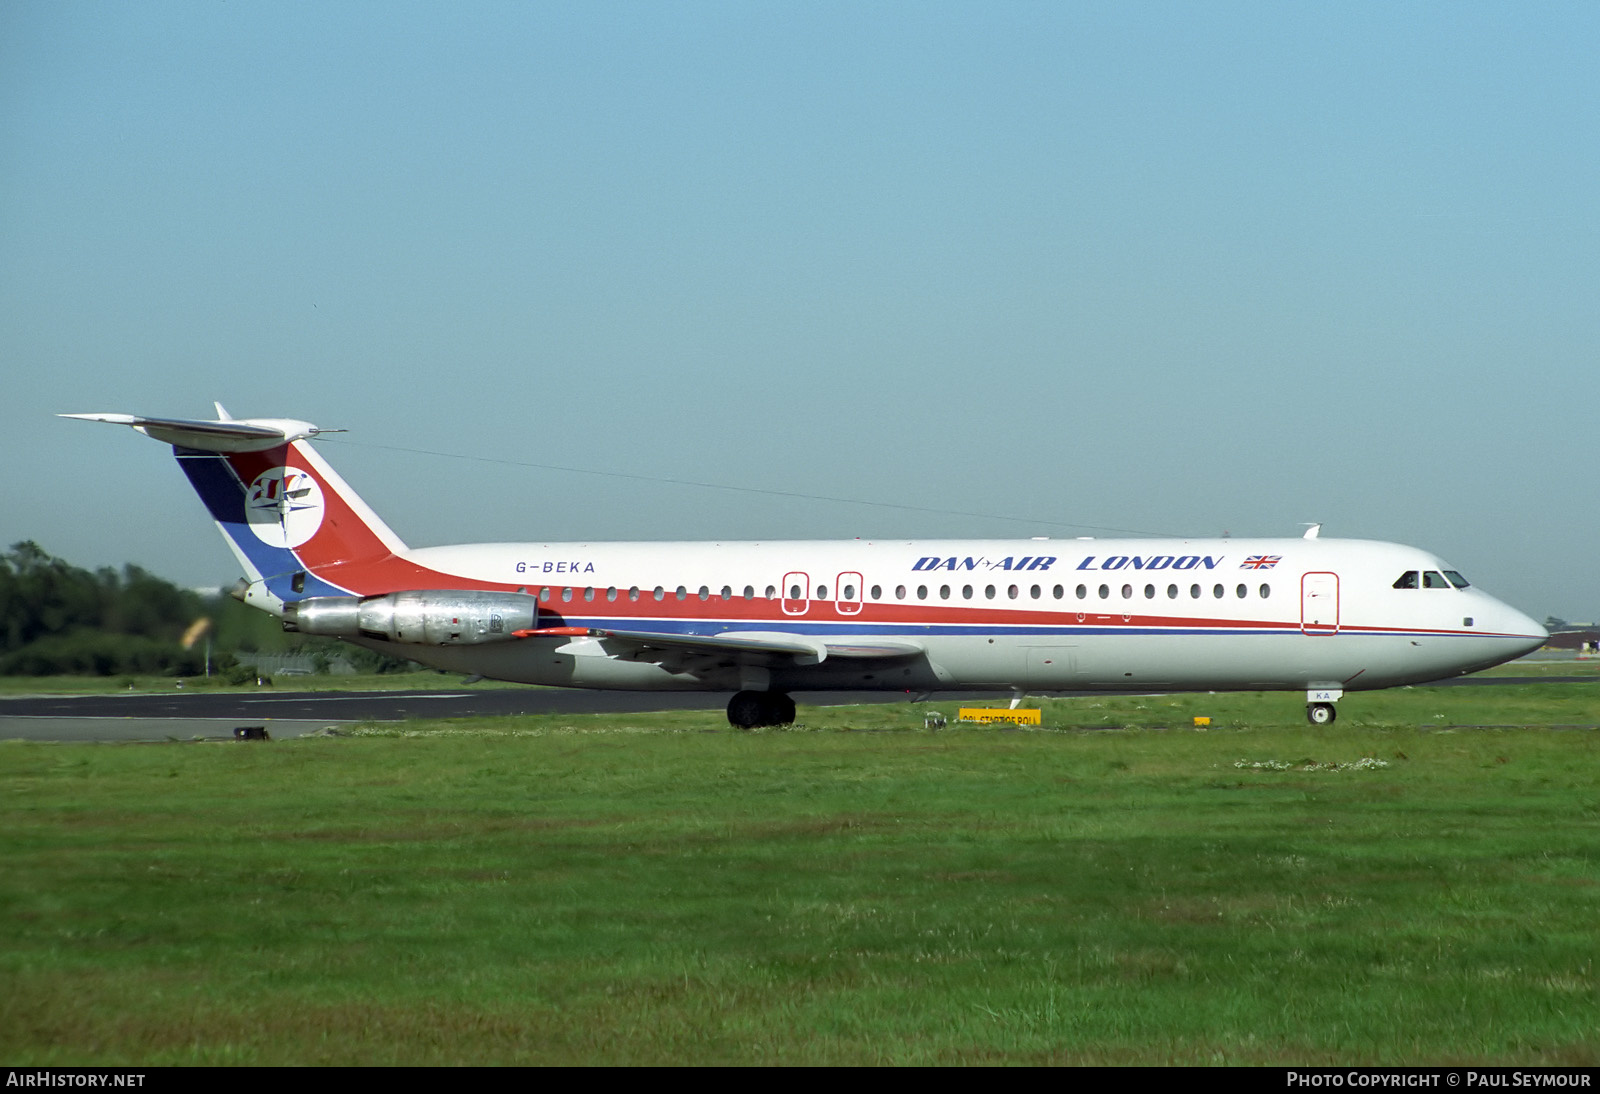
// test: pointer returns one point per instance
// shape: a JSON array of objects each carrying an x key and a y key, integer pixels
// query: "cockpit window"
[
  {"x": 1456, "y": 579},
  {"x": 1434, "y": 580},
  {"x": 1407, "y": 580}
]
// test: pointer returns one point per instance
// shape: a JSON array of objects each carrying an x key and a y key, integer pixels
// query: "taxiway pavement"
[{"x": 187, "y": 715}]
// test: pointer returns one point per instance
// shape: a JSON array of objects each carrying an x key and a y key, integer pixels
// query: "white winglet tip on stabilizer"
[{"x": 223, "y": 435}]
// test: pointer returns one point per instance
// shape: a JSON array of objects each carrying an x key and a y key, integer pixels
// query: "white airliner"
[{"x": 765, "y": 619}]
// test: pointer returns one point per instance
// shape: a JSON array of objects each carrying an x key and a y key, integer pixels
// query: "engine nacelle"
[{"x": 427, "y": 617}]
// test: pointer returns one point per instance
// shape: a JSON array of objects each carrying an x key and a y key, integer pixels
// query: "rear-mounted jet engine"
[{"x": 432, "y": 617}]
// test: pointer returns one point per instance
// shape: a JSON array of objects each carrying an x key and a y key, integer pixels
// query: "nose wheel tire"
[{"x": 1321, "y": 714}]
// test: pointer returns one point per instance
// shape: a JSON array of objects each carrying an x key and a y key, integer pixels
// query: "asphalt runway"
[{"x": 179, "y": 715}]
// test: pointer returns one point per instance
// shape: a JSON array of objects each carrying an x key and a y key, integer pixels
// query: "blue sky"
[{"x": 1167, "y": 268}]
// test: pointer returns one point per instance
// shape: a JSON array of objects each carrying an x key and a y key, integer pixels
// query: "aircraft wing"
[{"x": 805, "y": 649}]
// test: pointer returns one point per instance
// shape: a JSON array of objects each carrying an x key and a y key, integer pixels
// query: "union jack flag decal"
[{"x": 1260, "y": 562}]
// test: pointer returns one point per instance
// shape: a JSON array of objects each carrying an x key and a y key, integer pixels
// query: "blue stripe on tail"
[{"x": 224, "y": 496}]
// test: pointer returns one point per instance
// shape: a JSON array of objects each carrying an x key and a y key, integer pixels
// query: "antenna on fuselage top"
[{"x": 1311, "y": 531}]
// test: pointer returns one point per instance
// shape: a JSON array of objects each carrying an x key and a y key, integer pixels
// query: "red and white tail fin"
[{"x": 296, "y": 527}]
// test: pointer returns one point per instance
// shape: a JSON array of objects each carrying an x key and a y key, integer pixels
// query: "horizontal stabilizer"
[{"x": 244, "y": 435}]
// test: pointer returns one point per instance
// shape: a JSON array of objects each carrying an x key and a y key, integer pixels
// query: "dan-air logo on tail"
[{"x": 284, "y": 506}]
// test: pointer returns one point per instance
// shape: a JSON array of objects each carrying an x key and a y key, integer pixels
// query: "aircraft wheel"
[
  {"x": 1321, "y": 714},
  {"x": 782, "y": 709},
  {"x": 747, "y": 710},
  {"x": 750, "y": 709}
]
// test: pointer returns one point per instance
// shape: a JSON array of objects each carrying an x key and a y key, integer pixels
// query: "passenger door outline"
[
  {"x": 1319, "y": 603},
  {"x": 795, "y": 581},
  {"x": 849, "y": 583}
]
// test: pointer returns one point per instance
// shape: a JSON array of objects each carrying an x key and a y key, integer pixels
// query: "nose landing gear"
[{"x": 1319, "y": 705}]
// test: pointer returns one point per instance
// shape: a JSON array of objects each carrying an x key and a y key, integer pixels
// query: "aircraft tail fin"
[{"x": 296, "y": 527}]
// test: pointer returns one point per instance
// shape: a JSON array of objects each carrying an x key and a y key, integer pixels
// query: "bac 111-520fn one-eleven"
[{"x": 766, "y": 619}]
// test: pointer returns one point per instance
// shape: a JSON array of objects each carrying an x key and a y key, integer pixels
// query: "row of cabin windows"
[
  {"x": 1430, "y": 579},
  {"x": 848, "y": 593},
  {"x": 659, "y": 593},
  {"x": 1083, "y": 592}
]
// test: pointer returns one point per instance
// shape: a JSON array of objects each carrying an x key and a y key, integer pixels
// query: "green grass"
[
  {"x": 660, "y": 889},
  {"x": 1500, "y": 705}
]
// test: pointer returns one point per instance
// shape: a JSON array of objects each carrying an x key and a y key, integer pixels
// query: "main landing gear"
[{"x": 750, "y": 709}]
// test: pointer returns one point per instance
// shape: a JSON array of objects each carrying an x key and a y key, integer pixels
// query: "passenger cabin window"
[{"x": 1406, "y": 580}]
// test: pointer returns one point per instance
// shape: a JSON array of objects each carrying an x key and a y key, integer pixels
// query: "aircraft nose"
[{"x": 1522, "y": 633}]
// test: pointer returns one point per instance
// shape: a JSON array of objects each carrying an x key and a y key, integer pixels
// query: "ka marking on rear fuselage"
[{"x": 1323, "y": 616}]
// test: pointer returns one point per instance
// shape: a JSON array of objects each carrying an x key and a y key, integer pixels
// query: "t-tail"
[{"x": 296, "y": 527}]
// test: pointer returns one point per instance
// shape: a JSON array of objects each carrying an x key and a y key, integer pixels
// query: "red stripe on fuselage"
[{"x": 876, "y": 614}]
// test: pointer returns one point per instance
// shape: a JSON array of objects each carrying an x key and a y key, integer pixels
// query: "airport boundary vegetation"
[
  {"x": 651, "y": 889},
  {"x": 60, "y": 619}
]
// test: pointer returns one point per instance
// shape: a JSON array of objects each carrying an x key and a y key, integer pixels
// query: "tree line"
[{"x": 57, "y": 618}]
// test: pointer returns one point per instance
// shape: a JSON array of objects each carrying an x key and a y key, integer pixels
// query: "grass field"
[{"x": 1115, "y": 888}]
